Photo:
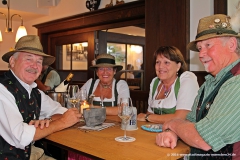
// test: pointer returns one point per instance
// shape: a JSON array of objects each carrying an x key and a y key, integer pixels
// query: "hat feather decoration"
[{"x": 235, "y": 19}]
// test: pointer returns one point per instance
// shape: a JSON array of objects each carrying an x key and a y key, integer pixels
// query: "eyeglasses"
[{"x": 106, "y": 69}]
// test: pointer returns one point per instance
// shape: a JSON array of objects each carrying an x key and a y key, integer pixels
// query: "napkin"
[{"x": 99, "y": 127}]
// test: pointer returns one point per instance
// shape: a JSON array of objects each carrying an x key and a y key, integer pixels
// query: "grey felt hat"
[
  {"x": 29, "y": 44},
  {"x": 106, "y": 60},
  {"x": 217, "y": 25}
]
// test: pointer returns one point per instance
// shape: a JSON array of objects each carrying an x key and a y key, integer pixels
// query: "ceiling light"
[{"x": 21, "y": 30}]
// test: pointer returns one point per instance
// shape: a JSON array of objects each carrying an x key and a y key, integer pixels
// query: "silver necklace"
[{"x": 166, "y": 92}]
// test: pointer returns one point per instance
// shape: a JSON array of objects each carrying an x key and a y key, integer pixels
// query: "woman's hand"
[
  {"x": 141, "y": 117},
  {"x": 40, "y": 123}
]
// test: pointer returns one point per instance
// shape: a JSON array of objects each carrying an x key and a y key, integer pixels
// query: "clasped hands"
[{"x": 168, "y": 138}]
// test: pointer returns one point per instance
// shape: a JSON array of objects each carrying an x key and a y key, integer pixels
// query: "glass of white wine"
[
  {"x": 83, "y": 95},
  {"x": 73, "y": 95},
  {"x": 102, "y": 99},
  {"x": 83, "y": 99},
  {"x": 125, "y": 112}
]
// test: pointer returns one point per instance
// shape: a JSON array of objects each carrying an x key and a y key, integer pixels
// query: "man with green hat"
[
  {"x": 23, "y": 107},
  {"x": 212, "y": 127}
]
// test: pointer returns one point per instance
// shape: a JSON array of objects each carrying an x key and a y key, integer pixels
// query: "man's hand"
[
  {"x": 167, "y": 139},
  {"x": 40, "y": 123},
  {"x": 70, "y": 117}
]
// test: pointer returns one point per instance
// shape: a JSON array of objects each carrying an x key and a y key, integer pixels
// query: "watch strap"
[{"x": 146, "y": 117}]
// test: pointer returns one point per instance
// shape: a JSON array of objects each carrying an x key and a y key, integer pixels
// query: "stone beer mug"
[{"x": 132, "y": 124}]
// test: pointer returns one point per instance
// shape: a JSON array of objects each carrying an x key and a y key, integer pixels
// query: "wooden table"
[{"x": 102, "y": 144}]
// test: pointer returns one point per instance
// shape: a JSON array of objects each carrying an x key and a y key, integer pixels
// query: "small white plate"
[{"x": 152, "y": 127}]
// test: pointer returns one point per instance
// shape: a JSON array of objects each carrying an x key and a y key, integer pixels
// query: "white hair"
[
  {"x": 225, "y": 39},
  {"x": 15, "y": 56}
]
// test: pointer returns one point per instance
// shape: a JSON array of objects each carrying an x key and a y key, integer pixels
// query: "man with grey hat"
[
  {"x": 23, "y": 107},
  {"x": 212, "y": 127}
]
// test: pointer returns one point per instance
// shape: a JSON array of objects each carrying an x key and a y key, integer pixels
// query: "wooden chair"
[
  {"x": 134, "y": 82},
  {"x": 140, "y": 100}
]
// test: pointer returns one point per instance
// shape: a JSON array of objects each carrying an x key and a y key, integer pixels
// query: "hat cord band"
[
  {"x": 30, "y": 48},
  {"x": 217, "y": 31},
  {"x": 105, "y": 60}
]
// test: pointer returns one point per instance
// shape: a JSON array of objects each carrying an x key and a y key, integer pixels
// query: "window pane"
[
  {"x": 135, "y": 56},
  {"x": 118, "y": 51}
]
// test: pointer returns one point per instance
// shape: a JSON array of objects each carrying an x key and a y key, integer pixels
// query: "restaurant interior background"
[
  {"x": 34, "y": 15},
  {"x": 36, "y": 12}
]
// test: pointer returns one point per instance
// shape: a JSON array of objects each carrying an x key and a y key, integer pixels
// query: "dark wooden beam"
[{"x": 102, "y": 17}]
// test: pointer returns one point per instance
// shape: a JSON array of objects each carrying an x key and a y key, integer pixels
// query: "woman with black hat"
[{"x": 106, "y": 89}]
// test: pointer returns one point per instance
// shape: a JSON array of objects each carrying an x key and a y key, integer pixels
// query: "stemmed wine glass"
[
  {"x": 73, "y": 95},
  {"x": 101, "y": 103},
  {"x": 102, "y": 97},
  {"x": 125, "y": 112},
  {"x": 83, "y": 98}
]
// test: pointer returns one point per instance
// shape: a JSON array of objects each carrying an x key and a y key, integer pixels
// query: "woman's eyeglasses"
[{"x": 106, "y": 69}]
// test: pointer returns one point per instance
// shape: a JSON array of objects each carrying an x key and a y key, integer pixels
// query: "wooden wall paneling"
[
  {"x": 116, "y": 14},
  {"x": 167, "y": 23},
  {"x": 200, "y": 76},
  {"x": 91, "y": 54},
  {"x": 220, "y": 6}
]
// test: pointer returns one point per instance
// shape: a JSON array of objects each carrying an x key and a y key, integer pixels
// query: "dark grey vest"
[{"x": 29, "y": 108}]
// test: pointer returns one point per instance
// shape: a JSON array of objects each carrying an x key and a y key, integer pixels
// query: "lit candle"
[{"x": 84, "y": 105}]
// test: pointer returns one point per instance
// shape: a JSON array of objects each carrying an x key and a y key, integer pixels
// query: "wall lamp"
[{"x": 21, "y": 30}]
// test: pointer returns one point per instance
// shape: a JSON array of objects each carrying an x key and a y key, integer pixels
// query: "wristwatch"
[{"x": 146, "y": 117}]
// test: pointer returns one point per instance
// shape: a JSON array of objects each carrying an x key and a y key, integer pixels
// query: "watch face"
[{"x": 92, "y": 4}]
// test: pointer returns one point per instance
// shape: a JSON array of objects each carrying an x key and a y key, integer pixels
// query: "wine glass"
[
  {"x": 73, "y": 95},
  {"x": 102, "y": 97},
  {"x": 125, "y": 112},
  {"x": 101, "y": 103},
  {"x": 83, "y": 98}
]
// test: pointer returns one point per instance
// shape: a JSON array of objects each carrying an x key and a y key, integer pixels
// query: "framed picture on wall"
[{"x": 72, "y": 56}]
